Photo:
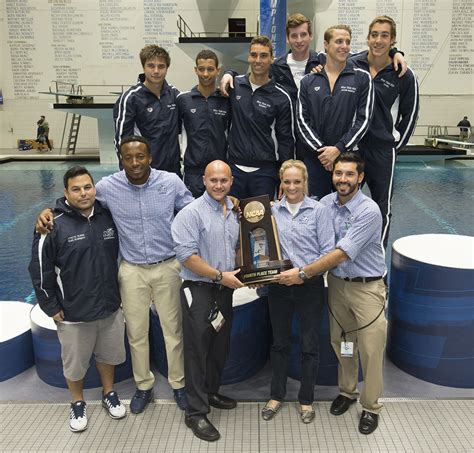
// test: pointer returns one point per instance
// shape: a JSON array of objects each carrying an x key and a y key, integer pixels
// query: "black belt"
[
  {"x": 202, "y": 284},
  {"x": 361, "y": 279},
  {"x": 158, "y": 262}
]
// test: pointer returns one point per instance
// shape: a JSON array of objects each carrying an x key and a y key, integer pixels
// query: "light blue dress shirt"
[
  {"x": 308, "y": 235},
  {"x": 202, "y": 229},
  {"x": 358, "y": 228},
  {"x": 143, "y": 213}
]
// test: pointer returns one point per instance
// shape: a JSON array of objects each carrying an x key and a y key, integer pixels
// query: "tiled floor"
[{"x": 406, "y": 425}]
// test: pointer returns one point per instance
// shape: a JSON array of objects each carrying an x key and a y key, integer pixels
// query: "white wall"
[{"x": 97, "y": 42}]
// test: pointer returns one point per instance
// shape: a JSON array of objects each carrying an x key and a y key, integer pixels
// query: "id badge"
[
  {"x": 218, "y": 321},
  {"x": 347, "y": 348}
]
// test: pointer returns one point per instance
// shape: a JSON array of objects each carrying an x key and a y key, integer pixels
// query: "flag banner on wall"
[{"x": 273, "y": 22}]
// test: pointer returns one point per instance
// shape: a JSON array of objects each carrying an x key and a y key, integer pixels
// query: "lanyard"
[{"x": 343, "y": 332}]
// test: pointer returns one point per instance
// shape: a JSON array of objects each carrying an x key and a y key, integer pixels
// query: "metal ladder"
[
  {"x": 73, "y": 133},
  {"x": 75, "y": 123}
]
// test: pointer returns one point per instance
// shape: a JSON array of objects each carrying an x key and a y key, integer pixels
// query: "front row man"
[
  {"x": 143, "y": 201},
  {"x": 74, "y": 272},
  {"x": 206, "y": 234},
  {"x": 356, "y": 290}
]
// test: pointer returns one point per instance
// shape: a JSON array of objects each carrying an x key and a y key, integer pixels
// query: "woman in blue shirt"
[{"x": 306, "y": 233}]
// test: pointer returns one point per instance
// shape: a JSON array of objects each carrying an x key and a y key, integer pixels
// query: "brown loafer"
[{"x": 269, "y": 412}]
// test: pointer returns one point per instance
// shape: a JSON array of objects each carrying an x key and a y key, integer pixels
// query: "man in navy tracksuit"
[
  {"x": 149, "y": 109},
  {"x": 289, "y": 69},
  {"x": 262, "y": 133},
  {"x": 205, "y": 115},
  {"x": 74, "y": 272},
  {"x": 395, "y": 113},
  {"x": 333, "y": 110}
]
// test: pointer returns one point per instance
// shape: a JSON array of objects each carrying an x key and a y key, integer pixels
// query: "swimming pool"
[{"x": 429, "y": 198}]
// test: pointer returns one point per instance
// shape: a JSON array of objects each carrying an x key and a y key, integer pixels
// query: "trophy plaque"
[{"x": 259, "y": 243}]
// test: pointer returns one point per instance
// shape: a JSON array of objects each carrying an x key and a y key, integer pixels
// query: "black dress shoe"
[
  {"x": 368, "y": 422},
  {"x": 221, "y": 401},
  {"x": 341, "y": 404},
  {"x": 202, "y": 428}
]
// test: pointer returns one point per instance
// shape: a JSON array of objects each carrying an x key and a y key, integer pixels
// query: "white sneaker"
[
  {"x": 113, "y": 405},
  {"x": 78, "y": 416}
]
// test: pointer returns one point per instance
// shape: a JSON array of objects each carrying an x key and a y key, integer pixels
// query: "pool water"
[
  {"x": 27, "y": 188},
  {"x": 429, "y": 198}
]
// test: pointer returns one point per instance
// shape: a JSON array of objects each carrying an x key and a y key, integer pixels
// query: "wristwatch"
[
  {"x": 302, "y": 274},
  {"x": 218, "y": 277}
]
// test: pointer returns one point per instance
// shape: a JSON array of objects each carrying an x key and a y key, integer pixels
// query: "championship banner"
[{"x": 273, "y": 23}]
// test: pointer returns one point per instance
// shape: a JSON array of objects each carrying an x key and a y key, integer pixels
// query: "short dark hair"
[
  {"x": 295, "y": 20},
  {"x": 351, "y": 157},
  {"x": 135, "y": 138},
  {"x": 153, "y": 51},
  {"x": 42, "y": 116},
  {"x": 263, "y": 41},
  {"x": 207, "y": 54},
  {"x": 77, "y": 170},
  {"x": 384, "y": 20}
]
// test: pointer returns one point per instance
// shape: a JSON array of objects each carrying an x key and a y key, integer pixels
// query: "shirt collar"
[
  {"x": 79, "y": 212},
  {"x": 352, "y": 203},
  {"x": 151, "y": 177},
  {"x": 196, "y": 92},
  {"x": 306, "y": 204},
  {"x": 165, "y": 88},
  {"x": 216, "y": 205},
  {"x": 268, "y": 85}
]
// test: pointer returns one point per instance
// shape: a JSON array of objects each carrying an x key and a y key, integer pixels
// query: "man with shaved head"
[{"x": 206, "y": 234}]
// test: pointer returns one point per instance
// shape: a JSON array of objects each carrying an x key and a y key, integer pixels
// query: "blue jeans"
[{"x": 307, "y": 300}]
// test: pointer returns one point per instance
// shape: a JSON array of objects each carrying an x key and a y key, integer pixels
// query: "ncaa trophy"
[{"x": 259, "y": 243}]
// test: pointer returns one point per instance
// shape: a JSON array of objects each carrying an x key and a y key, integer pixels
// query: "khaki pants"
[
  {"x": 139, "y": 284},
  {"x": 355, "y": 305}
]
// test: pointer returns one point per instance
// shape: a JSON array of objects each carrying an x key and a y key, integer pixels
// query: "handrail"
[
  {"x": 58, "y": 89},
  {"x": 218, "y": 34},
  {"x": 182, "y": 27},
  {"x": 186, "y": 32}
]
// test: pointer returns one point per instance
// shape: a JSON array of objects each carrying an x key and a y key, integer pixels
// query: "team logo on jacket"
[
  {"x": 109, "y": 233},
  {"x": 76, "y": 237},
  {"x": 317, "y": 88},
  {"x": 192, "y": 110},
  {"x": 238, "y": 97},
  {"x": 348, "y": 89},
  {"x": 149, "y": 109}
]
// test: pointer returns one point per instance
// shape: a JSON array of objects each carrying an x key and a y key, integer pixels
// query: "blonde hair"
[
  {"x": 299, "y": 165},
  {"x": 328, "y": 34}
]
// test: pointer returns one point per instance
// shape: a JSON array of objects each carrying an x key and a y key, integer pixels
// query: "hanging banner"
[{"x": 273, "y": 23}]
